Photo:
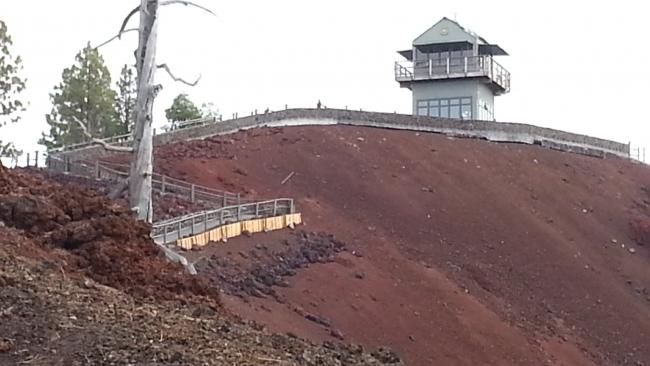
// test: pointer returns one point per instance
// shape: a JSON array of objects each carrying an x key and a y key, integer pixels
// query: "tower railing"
[{"x": 453, "y": 67}]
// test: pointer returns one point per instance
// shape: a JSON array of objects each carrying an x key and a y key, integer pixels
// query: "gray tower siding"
[
  {"x": 484, "y": 103},
  {"x": 480, "y": 94}
]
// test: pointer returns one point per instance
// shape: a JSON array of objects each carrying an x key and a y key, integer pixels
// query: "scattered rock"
[
  {"x": 360, "y": 275},
  {"x": 240, "y": 171},
  {"x": 631, "y": 250},
  {"x": 5, "y": 345},
  {"x": 337, "y": 334},
  {"x": 564, "y": 337},
  {"x": 300, "y": 311},
  {"x": 203, "y": 311},
  {"x": 318, "y": 319},
  {"x": 386, "y": 355},
  {"x": 88, "y": 283}
]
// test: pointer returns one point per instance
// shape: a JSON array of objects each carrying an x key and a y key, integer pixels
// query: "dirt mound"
[
  {"x": 48, "y": 317},
  {"x": 499, "y": 254},
  {"x": 99, "y": 238},
  {"x": 217, "y": 149}
]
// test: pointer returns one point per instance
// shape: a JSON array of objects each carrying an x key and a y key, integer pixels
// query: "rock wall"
[{"x": 492, "y": 131}]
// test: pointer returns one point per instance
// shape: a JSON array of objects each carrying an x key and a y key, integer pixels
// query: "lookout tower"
[{"x": 452, "y": 73}]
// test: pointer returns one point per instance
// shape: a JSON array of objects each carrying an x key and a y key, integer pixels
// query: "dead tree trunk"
[
  {"x": 140, "y": 176},
  {"x": 140, "y": 184}
]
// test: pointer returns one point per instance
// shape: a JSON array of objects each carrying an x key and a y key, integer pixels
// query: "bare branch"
[
  {"x": 122, "y": 186},
  {"x": 126, "y": 20},
  {"x": 123, "y": 27},
  {"x": 137, "y": 9},
  {"x": 119, "y": 35},
  {"x": 164, "y": 66},
  {"x": 97, "y": 141},
  {"x": 186, "y": 3}
]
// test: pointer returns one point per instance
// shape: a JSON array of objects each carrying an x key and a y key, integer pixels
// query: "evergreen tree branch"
[
  {"x": 177, "y": 79},
  {"x": 100, "y": 142}
]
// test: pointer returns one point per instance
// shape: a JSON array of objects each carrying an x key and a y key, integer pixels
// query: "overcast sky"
[{"x": 574, "y": 67}]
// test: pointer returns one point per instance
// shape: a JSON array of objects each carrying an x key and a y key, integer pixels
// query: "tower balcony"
[{"x": 482, "y": 66}]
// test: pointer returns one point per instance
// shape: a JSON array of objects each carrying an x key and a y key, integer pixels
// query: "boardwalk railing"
[
  {"x": 233, "y": 208},
  {"x": 169, "y": 231},
  {"x": 160, "y": 183}
]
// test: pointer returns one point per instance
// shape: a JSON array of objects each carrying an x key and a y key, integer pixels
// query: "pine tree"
[
  {"x": 209, "y": 110},
  {"x": 182, "y": 109},
  {"x": 84, "y": 95},
  {"x": 125, "y": 102},
  {"x": 11, "y": 85}
]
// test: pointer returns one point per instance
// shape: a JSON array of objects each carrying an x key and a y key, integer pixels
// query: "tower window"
[{"x": 459, "y": 108}]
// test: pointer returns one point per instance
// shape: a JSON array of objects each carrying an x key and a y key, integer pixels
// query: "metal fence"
[
  {"x": 233, "y": 207},
  {"x": 36, "y": 159},
  {"x": 638, "y": 153},
  {"x": 160, "y": 183}
]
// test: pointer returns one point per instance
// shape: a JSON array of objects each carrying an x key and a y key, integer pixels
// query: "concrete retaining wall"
[{"x": 492, "y": 131}]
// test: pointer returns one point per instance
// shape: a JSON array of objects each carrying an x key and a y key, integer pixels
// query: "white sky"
[{"x": 576, "y": 65}]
